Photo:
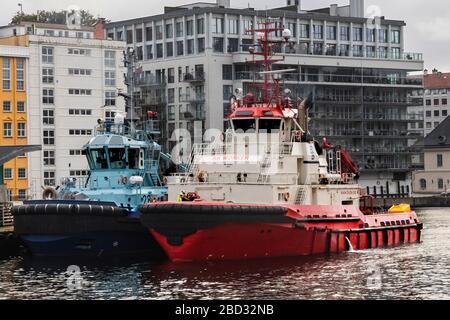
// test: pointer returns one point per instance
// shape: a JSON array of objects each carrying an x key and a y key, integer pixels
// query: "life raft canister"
[{"x": 400, "y": 208}]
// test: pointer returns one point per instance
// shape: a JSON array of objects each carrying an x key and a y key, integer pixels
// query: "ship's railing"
[
  {"x": 227, "y": 178},
  {"x": 120, "y": 129}
]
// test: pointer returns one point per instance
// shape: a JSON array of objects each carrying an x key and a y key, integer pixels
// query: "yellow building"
[{"x": 13, "y": 116}]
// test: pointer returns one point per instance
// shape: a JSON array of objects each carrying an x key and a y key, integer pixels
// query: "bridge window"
[
  {"x": 133, "y": 158},
  {"x": 117, "y": 158},
  {"x": 269, "y": 125},
  {"x": 244, "y": 125},
  {"x": 99, "y": 159}
]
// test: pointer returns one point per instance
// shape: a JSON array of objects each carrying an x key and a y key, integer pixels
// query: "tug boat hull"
[
  {"x": 62, "y": 229},
  {"x": 228, "y": 232}
]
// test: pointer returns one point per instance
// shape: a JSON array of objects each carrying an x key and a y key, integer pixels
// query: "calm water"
[{"x": 419, "y": 271}]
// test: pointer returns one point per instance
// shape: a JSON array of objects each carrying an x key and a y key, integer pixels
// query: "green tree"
[{"x": 58, "y": 17}]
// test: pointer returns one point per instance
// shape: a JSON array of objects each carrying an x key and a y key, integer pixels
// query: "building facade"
[
  {"x": 197, "y": 55},
  {"x": 74, "y": 79},
  {"x": 13, "y": 117},
  {"x": 435, "y": 179}
]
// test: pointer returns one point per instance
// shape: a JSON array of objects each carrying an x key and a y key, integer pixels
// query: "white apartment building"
[
  {"x": 74, "y": 77},
  {"x": 196, "y": 56}
]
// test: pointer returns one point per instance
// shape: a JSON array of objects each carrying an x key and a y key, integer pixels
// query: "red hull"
[{"x": 251, "y": 241}]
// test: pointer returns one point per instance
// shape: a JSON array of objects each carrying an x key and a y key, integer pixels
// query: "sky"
[{"x": 427, "y": 31}]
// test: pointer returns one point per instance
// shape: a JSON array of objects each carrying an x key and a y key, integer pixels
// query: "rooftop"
[
  {"x": 439, "y": 137},
  {"x": 437, "y": 80}
]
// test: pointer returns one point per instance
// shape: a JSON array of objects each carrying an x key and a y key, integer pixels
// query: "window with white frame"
[
  {"x": 8, "y": 174},
  {"x": 48, "y": 117},
  {"x": 48, "y": 96},
  {"x": 20, "y": 74},
  {"x": 21, "y": 106},
  {"x": 47, "y": 75},
  {"x": 80, "y": 132},
  {"x": 49, "y": 178},
  {"x": 79, "y": 72},
  {"x": 7, "y": 106},
  {"x": 80, "y": 112},
  {"x": 109, "y": 116},
  {"x": 110, "y": 59},
  {"x": 80, "y": 52},
  {"x": 6, "y": 73},
  {"x": 80, "y": 92},
  {"x": 7, "y": 129},
  {"x": 21, "y": 130},
  {"x": 110, "y": 98},
  {"x": 49, "y": 137},
  {"x": 49, "y": 158},
  {"x": 47, "y": 55},
  {"x": 110, "y": 78},
  {"x": 22, "y": 173},
  {"x": 22, "y": 194}
]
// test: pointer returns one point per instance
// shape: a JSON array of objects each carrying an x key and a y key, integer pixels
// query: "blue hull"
[{"x": 97, "y": 244}]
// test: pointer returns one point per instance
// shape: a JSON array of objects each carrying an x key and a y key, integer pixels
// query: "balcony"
[
  {"x": 192, "y": 99},
  {"x": 150, "y": 80},
  {"x": 196, "y": 77},
  {"x": 334, "y": 78},
  {"x": 152, "y": 101}
]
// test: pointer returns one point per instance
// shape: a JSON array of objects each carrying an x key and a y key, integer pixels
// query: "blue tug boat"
[{"x": 99, "y": 216}]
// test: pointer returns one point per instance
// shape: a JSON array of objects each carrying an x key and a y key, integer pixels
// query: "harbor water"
[{"x": 419, "y": 271}]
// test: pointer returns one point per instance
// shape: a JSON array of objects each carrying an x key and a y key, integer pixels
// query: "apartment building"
[
  {"x": 433, "y": 100},
  {"x": 13, "y": 117},
  {"x": 74, "y": 77},
  {"x": 197, "y": 55},
  {"x": 435, "y": 179}
]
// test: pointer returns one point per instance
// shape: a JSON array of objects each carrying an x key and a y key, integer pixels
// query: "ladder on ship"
[
  {"x": 6, "y": 217},
  {"x": 265, "y": 166},
  {"x": 301, "y": 196}
]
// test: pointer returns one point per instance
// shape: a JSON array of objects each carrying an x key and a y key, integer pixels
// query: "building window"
[
  {"x": 395, "y": 53},
  {"x": 8, "y": 174},
  {"x": 139, "y": 53},
  {"x": 370, "y": 35},
  {"x": 444, "y": 102},
  {"x": 80, "y": 132},
  {"x": 47, "y": 75},
  {"x": 444, "y": 113},
  {"x": 233, "y": 26},
  {"x": 7, "y": 130},
  {"x": 428, "y": 114},
  {"x": 79, "y": 52},
  {"x": 79, "y": 173},
  {"x": 190, "y": 27},
  {"x": 21, "y": 130},
  {"x": 79, "y": 72},
  {"x": 318, "y": 48},
  {"x": 227, "y": 72},
  {"x": 171, "y": 75},
  {"x": 248, "y": 26},
  {"x": 149, "y": 52},
  {"x": 7, "y": 106},
  {"x": 80, "y": 112},
  {"x": 48, "y": 96},
  {"x": 110, "y": 98},
  {"x": 49, "y": 158},
  {"x": 318, "y": 31},
  {"x": 171, "y": 113},
  {"x": 218, "y": 45},
  {"x": 227, "y": 92},
  {"x": 6, "y": 73},
  {"x": 110, "y": 116},
  {"x": 441, "y": 184},
  {"x": 345, "y": 33},
  {"x": 129, "y": 36},
  {"x": 75, "y": 152},
  {"x": 383, "y": 35},
  {"x": 22, "y": 194},
  {"x": 48, "y": 117},
  {"x": 436, "y": 113},
  {"x": 47, "y": 55},
  {"x": 169, "y": 49},
  {"x": 331, "y": 32},
  {"x": 371, "y": 52},
  {"x": 304, "y": 31},
  {"x": 110, "y": 59},
  {"x": 159, "y": 33},
  {"x": 21, "y": 106},
  {"x": 190, "y": 46},
  {"x": 110, "y": 78},
  {"x": 20, "y": 74},
  {"x": 423, "y": 184},
  {"x": 49, "y": 137},
  {"x": 428, "y": 102},
  {"x": 49, "y": 178},
  {"x": 436, "y": 102},
  {"x": 148, "y": 34},
  {"x": 395, "y": 36},
  {"x": 357, "y": 34},
  {"x": 138, "y": 35},
  {"x": 180, "y": 48},
  {"x": 179, "y": 29},
  {"x": 22, "y": 173},
  {"x": 80, "y": 92},
  {"x": 201, "y": 26},
  {"x": 440, "y": 160},
  {"x": 159, "y": 51},
  {"x": 169, "y": 31},
  {"x": 201, "y": 45}
]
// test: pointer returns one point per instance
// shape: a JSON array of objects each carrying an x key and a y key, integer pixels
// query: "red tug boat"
[{"x": 268, "y": 189}]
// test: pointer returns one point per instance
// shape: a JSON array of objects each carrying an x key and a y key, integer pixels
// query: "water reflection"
[{"x": 410, "y": 272}]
